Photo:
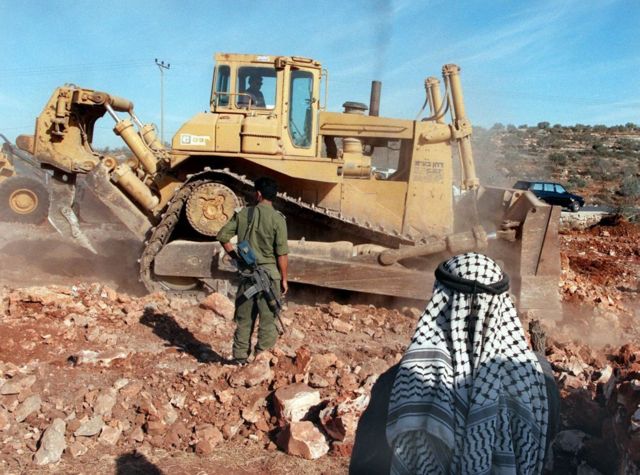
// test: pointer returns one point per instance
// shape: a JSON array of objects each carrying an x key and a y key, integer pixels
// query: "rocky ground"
[{"x": 94, "y": 379}]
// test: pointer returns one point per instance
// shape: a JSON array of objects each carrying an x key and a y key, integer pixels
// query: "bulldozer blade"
[{"x": 61, "y": 214}]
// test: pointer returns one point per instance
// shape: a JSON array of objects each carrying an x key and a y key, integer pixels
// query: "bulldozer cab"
[{"x": 278, "y": 95}]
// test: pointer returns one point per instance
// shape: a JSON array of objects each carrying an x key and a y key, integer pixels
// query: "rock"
[
  {"x": 204, "y": 447},
  {"x": 27, "y": 407},
  {"x": 131, "y": 389},
  {"x": 252, "y": 374},
  {"x": 178, "y": 400},
  {"x": 349, "y": 382},
  {"x": 5, "y": 421},
  {"x": 302, "y": 360},
  {"x": 169, "y": 414},
  {"x": 90, "y": 427},
  {"x": 294, "y": 401},
  {"x": 110, "y": 435},
  {"x": 104, "y": 358},
  {"x": 342, "y": 449},
  {"x": 296, "y": 334},
  {"x": 572, "y": 382},
  {"x": 570, "y": 441},
  {"x": 320, "y": 363},
  {"x": 17, "y": 385},
  {"x": 336, "y": 309},
  {"x": 604, "y": 375},
  {"x": 137, "y": 434},
  {"x": 224, "y": 396},
  {"x": 317, "y": 381},
  {"x": 341, "y": 421},
  {"x": 303, "y": 439},
  {"x": 155, "y": 427},
  {"x": 341, "y": 327},
  {"x": 219, "y": 304},
  {"x": 105, "y": 402},
  {"x": 52, "y": 444},
  {"x": 120, "y": 383},
  {"x": 77, "y": 449},
  {"x": 209, "y": 433},
  {"x": 231, "y": 428}
]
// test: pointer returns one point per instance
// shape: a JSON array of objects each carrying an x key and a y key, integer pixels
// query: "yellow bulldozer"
[{"x": 350, "y": 227}]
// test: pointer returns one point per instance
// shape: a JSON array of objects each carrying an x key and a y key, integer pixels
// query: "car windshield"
[{"x": 560, "y": 189}]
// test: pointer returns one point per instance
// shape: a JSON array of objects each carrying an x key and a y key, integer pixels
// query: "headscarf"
[{"x": 469, "y": 396}]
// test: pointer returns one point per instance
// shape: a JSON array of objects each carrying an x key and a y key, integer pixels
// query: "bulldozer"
[{"x": 349, "y": 227}]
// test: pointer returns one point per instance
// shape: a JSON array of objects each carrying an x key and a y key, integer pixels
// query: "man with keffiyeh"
[{"x": 469, "y": 396}]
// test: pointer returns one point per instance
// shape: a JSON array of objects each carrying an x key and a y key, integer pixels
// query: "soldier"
[{"x": 265, "y": 229}]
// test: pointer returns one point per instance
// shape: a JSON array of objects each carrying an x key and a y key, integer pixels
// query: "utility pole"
[{"x": 162, "y": 67}]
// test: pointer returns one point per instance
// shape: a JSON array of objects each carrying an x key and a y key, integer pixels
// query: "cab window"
[
  {"x": 560, "y": 189},
  {"x": 548, "y": 187},
  {"x": 537, "y": 187},
  {"x": 300, "y": 111},
  {"x": 256, "y": 87},
  {"x": 222, "y": 86}
]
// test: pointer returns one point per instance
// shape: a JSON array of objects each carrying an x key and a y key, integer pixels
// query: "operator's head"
[
  {"x": 267, "y": 187},
  {"x": 255, "y": 81}
]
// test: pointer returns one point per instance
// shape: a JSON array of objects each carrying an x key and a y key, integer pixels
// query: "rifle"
[{"x": 261, "y": 281}]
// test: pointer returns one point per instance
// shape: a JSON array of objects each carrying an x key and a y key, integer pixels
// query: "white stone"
[
  {"x": 105, "y": 402},
  {"x": 294, "y": 401},
  {"x": 52, "y": 444},
  {"x": 570, "y": 441},
  {"x": 90, "y": 427},
  {"x": 17, "y": 385},
  {"x": 27, "y": 407}
]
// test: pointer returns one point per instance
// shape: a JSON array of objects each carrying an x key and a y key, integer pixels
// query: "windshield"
[{"x": 256, "y": 87}]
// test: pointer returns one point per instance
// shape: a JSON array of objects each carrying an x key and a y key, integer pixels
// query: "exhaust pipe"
[{"x": 374, "y": 102}]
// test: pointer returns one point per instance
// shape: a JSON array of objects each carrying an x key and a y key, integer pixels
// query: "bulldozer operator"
[
  {"x": 257, "y": 98},
  {"x": 264, "y": 230}
]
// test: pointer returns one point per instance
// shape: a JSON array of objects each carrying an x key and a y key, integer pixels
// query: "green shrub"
[
  {"x": 630, "y": 187},
  {"x": 557, "y": 158},
  {"x": 576, "y": 181}
]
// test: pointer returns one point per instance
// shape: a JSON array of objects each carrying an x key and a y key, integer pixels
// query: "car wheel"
[{"x": 575, "y": 206}]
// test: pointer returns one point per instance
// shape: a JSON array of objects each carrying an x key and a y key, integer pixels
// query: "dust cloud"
[{"x": 38, "y": 255}]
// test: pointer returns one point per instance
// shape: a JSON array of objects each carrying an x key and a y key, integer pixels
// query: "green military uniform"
[{"x": 267, "y": 237}]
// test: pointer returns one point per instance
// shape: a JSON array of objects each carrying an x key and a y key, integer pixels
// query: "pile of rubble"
[
  {"x": 600, "y": 410},
  {"x": 87, "y": 373},
  {"x": 85, "y": 369}
]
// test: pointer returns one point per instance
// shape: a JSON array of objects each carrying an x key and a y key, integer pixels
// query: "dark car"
[{"x": 552, "y": 193}]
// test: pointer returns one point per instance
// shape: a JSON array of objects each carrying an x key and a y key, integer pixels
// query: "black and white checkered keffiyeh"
[{"x": 469, "y": 396}]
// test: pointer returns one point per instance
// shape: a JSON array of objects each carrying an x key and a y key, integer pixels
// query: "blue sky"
[{"x": 522, "y": 61}]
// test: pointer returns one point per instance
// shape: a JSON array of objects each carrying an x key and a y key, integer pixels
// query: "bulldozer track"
[{"x": 289, "y": 205}]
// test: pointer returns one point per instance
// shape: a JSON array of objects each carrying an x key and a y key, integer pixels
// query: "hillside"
[{"x": 600, "y": 163}]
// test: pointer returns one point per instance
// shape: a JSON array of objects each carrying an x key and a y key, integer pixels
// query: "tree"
[{"x": 543, "y": 125}]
